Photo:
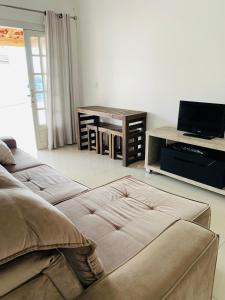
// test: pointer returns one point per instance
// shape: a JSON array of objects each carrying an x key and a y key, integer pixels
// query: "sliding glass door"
[{"x": 36, "y": 61}]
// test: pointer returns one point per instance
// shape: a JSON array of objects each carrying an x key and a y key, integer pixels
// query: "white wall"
[{"x": 149, "y": 54}]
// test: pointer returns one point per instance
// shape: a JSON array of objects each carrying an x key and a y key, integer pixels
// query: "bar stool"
[
  {"x": 117, "y": 142},
  {"x": 105, "y": 145},
  {"x": 93, "y": 141},
  {"x": 117, "y": 145},
  {"x": 113, "y": 134}
]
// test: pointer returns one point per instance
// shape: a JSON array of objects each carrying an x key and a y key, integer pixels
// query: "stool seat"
[
  {"x": 110, "y": 128},
  {"x": 92, "y": 126}
]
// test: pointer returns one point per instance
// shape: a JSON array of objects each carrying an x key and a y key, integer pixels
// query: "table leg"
[
  {"x": 89, "y": 139},
  {"x": 78, "y": 130},
  {"x": 97, "y": 140}
]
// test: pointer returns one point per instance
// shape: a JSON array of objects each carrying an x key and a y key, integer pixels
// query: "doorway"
[
  {"x": 23, "y": 91},
  {"x": 35, "y": 45}
]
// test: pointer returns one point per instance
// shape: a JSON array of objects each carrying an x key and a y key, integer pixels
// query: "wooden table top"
[{"x": 110, "y": 112}]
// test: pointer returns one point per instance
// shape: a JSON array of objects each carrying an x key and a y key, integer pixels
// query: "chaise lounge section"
[
  {"x": 40, "y": 178},
  {"x": 149, "y": 244}
]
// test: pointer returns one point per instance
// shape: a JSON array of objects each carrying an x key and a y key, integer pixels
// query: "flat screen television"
[{"x": 205, "y": 120}]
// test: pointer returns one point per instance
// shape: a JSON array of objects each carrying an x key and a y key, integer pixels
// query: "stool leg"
[
  {"x": 110, "y": 145},
  {"x": 113, "y": 146},
  {"x": 101, "y": 143},
  {"x": 89, "y": 139},
  {"x": 121, "y": 145},
  {"x": 97, "y": 140}
]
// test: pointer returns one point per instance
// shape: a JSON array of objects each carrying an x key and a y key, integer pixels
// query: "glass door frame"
[
  {"x": 40, "y": 125},
  {"x": 28, "y": 27}
]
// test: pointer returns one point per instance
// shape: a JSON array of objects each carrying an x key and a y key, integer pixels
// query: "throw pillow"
[{"x": 29, "y": 223}]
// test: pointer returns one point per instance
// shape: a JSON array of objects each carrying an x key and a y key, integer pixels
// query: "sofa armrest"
[
  {"x": 179, "y": 264},
  {"x": 10, "y": 142}
]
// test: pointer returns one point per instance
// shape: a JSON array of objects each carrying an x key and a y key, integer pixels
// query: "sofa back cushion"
[
  {"x": 9, "y": 141},
  {"x": 6, "y": 156},
  {"x": 29, "y": 223}
]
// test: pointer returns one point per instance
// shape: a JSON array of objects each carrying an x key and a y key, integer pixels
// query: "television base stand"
[
  {"x": 204, "y": 137},
  {"x": 160, "y": 137}
]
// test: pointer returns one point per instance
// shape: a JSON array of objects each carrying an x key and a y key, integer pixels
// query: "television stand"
[
  {"x": 200, "y": 136},
  {"x": 159, "y": 137}
]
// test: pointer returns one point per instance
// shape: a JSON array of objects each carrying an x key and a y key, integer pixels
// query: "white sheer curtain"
[{"x": 61, "y": 97}]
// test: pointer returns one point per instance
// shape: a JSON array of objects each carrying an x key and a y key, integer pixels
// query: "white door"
[{"x": 36, "y": 61}]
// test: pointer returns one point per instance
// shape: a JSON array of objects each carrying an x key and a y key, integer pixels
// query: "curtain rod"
[{"x": 32, "y": 10}]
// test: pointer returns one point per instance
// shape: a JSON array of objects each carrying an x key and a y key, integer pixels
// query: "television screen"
[{"x": 202, "y": 118}]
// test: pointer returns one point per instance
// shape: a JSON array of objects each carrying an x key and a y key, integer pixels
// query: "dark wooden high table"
[{"x": 133, "y": 129}]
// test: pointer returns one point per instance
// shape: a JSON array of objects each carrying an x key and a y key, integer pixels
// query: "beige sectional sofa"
[{"x": 148, "y": 244}]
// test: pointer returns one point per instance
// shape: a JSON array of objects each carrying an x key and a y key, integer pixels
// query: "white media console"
[{"x": 156, "y": 138}]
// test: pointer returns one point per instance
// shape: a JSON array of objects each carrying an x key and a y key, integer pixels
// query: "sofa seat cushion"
[
  {"x": 22, "y": 161},
  {"x": 124, "y": 216},
  {"x": 49, "y": 184}
]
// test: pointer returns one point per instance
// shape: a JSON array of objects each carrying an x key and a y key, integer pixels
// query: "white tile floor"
[{"x": 94, "y": 170}]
